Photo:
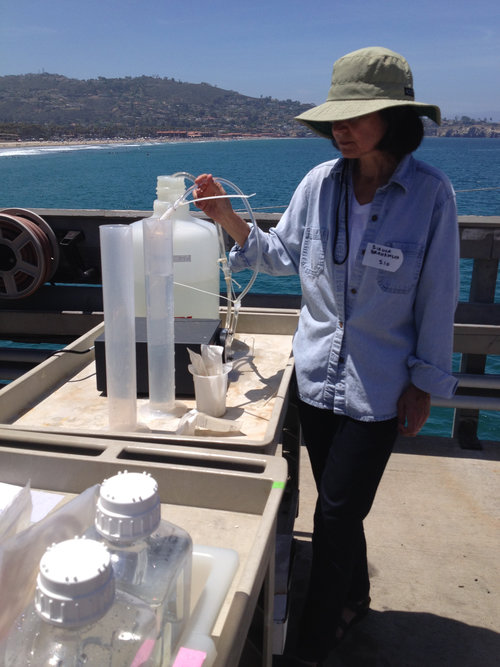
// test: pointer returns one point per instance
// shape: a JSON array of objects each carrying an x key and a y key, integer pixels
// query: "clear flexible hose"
[
  {"x": 234, "y": 303},
  {"x": 224, "y": 265}
]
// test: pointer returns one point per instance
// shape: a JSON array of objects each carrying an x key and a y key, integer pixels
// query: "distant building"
[
  {"x": 173, "y": 133},
  {"x": 184, "y": 134}
]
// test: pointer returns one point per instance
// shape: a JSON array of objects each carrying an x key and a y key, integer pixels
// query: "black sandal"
[{"x": 360, "y": 610}]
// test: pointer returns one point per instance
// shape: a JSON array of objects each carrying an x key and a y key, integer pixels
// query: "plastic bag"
[
  {"x": 20, "y": 555},
  {"x": 194, "y": 420},
  {"x": 209, "y": 362},
  {"x": 15, "y": 516}
]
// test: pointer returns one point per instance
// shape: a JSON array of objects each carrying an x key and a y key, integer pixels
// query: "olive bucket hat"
[{"x": 365, "y": 81}]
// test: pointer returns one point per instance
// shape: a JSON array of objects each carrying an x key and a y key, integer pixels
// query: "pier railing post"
[{"x": 482, "y": 291}]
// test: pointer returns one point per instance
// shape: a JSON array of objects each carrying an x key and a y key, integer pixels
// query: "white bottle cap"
[
  {"x": 75, "y": 585},
  {"x": 170, "y": 188},
  {"x": 128, "y": 508}
]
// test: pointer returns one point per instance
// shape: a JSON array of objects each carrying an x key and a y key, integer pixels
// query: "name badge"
[{"x": 382, "y": 257}]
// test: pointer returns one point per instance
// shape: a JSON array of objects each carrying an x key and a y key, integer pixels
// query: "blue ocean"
[{"x": 123, "y": 176}]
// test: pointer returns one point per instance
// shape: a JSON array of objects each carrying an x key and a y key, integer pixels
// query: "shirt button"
[
  {"x": 354, "y": 290},
  {"x": 341, "y": 325},
  {"x": 374, "y": 217}
]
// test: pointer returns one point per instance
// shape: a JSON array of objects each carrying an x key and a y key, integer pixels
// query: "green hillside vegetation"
[
  {"x": 51, "y": 106},
  {"x": 54, "y": 107}
]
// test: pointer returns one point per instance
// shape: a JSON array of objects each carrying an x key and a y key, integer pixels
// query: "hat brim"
[{"x": 320, "y": 118}]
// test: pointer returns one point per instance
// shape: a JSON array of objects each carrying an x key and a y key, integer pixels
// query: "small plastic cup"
[{"x": 210, "y": 391}]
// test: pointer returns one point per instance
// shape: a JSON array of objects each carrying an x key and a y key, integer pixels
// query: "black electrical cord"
[{"x": 89, "y": 349}]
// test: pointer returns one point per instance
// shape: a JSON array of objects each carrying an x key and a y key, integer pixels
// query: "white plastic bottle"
[
  {"x": 77, "y": 617},
  {"x": 196, "y": 255},
  {"x": 151, "y": 557}
]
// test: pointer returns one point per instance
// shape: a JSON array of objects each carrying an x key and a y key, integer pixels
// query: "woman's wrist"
[{"x": 235, "y": 226}]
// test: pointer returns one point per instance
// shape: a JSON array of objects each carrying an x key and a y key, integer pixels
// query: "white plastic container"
[
  {"x": 210, "y": 391},
  {"x": 78, "y": 618},
  {"x": 151, "y": 557},
  {"x": 196, "y": 254}
]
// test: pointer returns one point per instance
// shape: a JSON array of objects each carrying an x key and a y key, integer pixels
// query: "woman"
[{"x": 374, "y": 238}]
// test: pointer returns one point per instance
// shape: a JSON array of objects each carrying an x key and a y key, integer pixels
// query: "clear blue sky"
[{"x": 282, "y": 48}]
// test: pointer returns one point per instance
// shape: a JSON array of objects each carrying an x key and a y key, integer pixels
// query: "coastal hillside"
[
  {"x": 464, "y": 127},
  {"x": 54, "y": 107}
]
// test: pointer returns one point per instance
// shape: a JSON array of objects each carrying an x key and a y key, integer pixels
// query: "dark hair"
[{"x": 404, "y": 133}]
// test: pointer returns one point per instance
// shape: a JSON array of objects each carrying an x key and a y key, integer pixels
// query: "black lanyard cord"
[{"x": 344, "y": 184}]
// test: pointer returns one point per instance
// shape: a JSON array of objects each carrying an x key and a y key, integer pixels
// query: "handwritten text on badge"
[{"x": 382, "y": 257}]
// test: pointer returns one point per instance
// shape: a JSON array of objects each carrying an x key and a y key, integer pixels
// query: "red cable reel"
[{"x": 29, "y": 253}]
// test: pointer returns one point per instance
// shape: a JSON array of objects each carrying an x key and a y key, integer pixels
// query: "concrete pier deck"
[{"x": 434, "y": 553}]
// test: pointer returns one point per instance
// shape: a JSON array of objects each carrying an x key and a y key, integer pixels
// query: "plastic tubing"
[
  {"x": 233, "y": 304},
  {"x": 224, "y": 181},
  {"x": 222, "y": 248},
  {"x": 117, "y": 256}
]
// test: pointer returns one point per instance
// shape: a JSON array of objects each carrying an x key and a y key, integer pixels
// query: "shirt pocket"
[
  {"x": 312, "y": 260},
  {"x": 406, "y": 277}
]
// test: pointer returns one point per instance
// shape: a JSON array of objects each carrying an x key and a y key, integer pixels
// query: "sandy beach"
[
  {"x": 85, "y": 142},
  {"x": 137, "y": 140}
]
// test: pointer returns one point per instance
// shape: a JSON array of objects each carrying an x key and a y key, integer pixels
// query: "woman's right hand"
[{"x": 217, "y": 209}]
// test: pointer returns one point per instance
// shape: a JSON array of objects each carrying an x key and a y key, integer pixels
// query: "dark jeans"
[{"x": 348, "y": 458}]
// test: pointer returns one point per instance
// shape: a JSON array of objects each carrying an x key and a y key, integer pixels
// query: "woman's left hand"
[{"x": 414, "y": 406}]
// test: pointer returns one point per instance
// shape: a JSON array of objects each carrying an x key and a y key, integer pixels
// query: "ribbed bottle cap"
[
  {"x": 128, "y": 508},
  {"x": 75, "y": 585},
  {"x": 170, "y": 188}
]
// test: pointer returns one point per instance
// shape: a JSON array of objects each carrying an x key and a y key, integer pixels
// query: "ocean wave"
[{"x": 23, "y": 151}]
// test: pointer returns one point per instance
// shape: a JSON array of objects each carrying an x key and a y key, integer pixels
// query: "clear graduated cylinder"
[
  {"x": 159, "y": 278},
  {"x": 152, "y": 558},
  {"x": 78, "y": 619},
  {"x": 117, "y": 252}
]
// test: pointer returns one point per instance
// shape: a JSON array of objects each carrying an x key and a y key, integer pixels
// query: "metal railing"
[
  {"x": 74, "y": 307},
  {"x": 477, "y": 324}
]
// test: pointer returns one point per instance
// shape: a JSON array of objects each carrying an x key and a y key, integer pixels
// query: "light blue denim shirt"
[{"x": 359, "y": 343}]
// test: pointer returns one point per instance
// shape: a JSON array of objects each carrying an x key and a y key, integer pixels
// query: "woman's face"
[{"x": 359, "y": 137}]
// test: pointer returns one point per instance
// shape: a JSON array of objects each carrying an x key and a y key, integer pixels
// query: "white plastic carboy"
[
  {"x": 195, "y": 256},
  {"x": 152, "y": 558},
  {"x": 77, "y": 616}
]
